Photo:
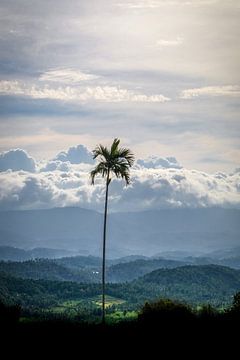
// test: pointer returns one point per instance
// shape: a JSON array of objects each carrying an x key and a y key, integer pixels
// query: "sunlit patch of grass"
[
  {"x": 109, "y": 301},
  {"x": 69, "y": 306},
  {"x": 71, "y": 303}
]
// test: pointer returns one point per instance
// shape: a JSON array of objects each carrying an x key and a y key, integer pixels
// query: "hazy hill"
[
  {"x": 233, "y": 262},
  {"x": 132, "y": 270},
  {"x": 95, "y": 263},
  {"x": 146, "y": 233},
  {"x": 47, "y": 269},
  {"x": 225, "y": 253},
  {"x": 15, "y": 254},
  {"x": 64, "y": 228},
  {"x": 81, "y": 262}
]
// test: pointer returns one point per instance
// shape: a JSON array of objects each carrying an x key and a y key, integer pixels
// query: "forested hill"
[
  {"x": 85, "y": 269},
  {"x": 195, "y": 274},
  {"x": 134, "y": 269},
  {"x": 194, "y": 284},
  {"x": 79, "y": 262},
  {"x": 42, "y": 293},
  {"x": 48, "y": 270}
]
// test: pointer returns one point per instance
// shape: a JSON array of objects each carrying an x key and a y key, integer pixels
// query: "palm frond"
[
  {"x": 101, "y": 151},
  {"x": 127, "y": 178},
  {"x": 100, "y": 169},
  {"x": 114, "y": 147},
  {"x": 114, "y": 160},
  {"x": 121, "y": 170},
  {"x": 127, "y": 155}
]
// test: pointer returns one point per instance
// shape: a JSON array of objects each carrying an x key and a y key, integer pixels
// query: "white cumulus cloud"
[
  {"x": 16, "y": 159},
  {"x": 154, "y": 162},
  {"x": 160, "y": 184},
  {"x": 53, "y": 165},
  {"x": 76, "y": 155}
]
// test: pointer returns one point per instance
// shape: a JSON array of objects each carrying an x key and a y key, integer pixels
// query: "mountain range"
[
  {"x": 87, "y": 269},
  {"x": 143, "y": 233}
]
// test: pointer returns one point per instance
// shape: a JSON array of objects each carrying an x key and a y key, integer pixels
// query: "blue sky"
[{"x": 162, "y": 75}]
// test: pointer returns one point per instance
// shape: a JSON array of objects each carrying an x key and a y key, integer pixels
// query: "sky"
[{"x": 163, "y": 76}]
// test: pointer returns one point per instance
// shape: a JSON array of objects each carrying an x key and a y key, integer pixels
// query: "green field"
[
  {"x": 73, "y": 307},
  {"x": 109, "y": 301}
]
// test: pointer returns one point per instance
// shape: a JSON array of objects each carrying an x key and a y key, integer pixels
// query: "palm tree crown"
[{"x": 115, "y": 161}]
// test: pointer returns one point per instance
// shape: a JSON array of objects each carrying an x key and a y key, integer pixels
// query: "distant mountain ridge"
[
  {"x": 10, "y": 253},
  {"x": 145, "y": 233},
  {"x": 88, "y": 268}
]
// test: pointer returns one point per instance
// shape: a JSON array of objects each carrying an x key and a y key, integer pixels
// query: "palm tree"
[{"x": 114, "y": 161}]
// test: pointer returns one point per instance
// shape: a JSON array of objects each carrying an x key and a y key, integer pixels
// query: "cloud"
[
  {"x": 151, "y": 4},
  {"x": 64, "y": 43},
  {"x": 12, "y": 87},
  {"x": 24, "y": 191},
  {"x": 139, "y": 4},
  {"x": 16, "y": 159},
  {"x": 68, "y": 76},
  {"x": 179, "y": 188},
  {"x": 76, "y": 155},
  {"x": 150, "y": 188},
  {"x": 169, "y": 43},
  {"x": 55, "y": 165},
  {"x": 226, "y": 90},
  {"x": 45, "y": 190},
  {"x": 77, "y": 94},
  {"x": 154, "y": 162}
]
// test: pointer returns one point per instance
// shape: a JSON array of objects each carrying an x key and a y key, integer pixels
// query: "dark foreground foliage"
[
  {"x": 162, "y": 327},
  {"x": 9, "y": 315}
]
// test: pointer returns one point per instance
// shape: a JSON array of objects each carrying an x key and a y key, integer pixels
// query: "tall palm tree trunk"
[{"x": 104, "y": 250}]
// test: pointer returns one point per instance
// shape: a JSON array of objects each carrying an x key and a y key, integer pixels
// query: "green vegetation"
[
  {"x": 70, "y": 289},
  {"x": 109, "y": 301},
  {"x": 49, "y": 270},
  {"x": 196, "y": 285},
  {"x": 132, "y": 270},
  {"x": 137, "y": 313}
]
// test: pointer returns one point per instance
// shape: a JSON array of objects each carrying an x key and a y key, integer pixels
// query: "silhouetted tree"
[
  {"x": 236, "y": 301},
  {"x": 207, "y": 312},
  {"x": 165, "y": 311},
  {"x": 115, "y": 161},
  {"x": 234, "y": 311},
  {"x": 9, "y": 314}
]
